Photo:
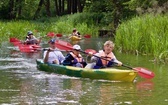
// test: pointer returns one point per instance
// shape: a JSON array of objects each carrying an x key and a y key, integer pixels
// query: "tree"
[{"x": 38, "y": 9}]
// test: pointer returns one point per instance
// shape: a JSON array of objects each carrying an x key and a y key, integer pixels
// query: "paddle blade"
[
  {"x": 87, "y": 36},
  {"x": 90, "y": 50},
  {"x": 26, "y": 48},
  {"x": 145, "y": 73},
  {"x": 58, "y": 35},
  {"x": 29, "y": 48},
  {"x": 51, "y": 34},
  {"x": 62, "y": 45},
  {"x": 14, "y": 40}
]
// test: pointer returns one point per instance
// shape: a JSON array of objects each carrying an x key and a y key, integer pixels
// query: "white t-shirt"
[{"x": 54, "y": 55}]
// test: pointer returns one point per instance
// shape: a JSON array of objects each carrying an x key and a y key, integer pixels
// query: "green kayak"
[{"x": 111, "y": 74}]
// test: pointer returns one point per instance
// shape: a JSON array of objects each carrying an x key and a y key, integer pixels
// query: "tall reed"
[{"x": 145, "y": 35}]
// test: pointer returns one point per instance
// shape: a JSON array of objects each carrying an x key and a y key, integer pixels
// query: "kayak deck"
[{"x": 111, "y": 74}]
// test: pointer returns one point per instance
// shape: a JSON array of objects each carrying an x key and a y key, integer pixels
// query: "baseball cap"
[
  {"x": 76, "y": 47},
  {"x": 52, "y": 41}
]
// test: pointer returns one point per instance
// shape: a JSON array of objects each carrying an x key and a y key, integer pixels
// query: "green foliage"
[
  {"x": 63, "y": 25},
  {"x": 147, "y": 34}
]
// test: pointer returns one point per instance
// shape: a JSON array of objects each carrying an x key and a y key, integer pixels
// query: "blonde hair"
[{"x": 110, "y": 43}]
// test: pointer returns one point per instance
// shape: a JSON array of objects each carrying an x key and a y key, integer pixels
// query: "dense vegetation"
[
  {"x": 140, "y": 26},
  {"x": 146, "y": 35},
  {"x": 63, "y": 25}
]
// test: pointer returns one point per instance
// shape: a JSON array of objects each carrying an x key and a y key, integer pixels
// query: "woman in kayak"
[
  {"x": 52, "y": 55},
  {"x": 74, "y": 58},
  {"x": 105, "y": 58},
  {"x": 31, "y": 39}
]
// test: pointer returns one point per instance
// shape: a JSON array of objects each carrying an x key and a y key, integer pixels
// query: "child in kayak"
[
  {"x": 108, "y": 58},
  {"x": 74, "y": 58}
]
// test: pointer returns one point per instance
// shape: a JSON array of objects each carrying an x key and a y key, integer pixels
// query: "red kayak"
[{"x": 24, "y": 47}]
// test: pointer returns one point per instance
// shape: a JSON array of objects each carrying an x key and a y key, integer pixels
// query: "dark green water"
[{"x": 22, "y": 84}]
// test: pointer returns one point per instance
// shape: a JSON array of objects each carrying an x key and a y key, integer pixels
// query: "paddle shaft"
[{"x": 44, "y": 49}]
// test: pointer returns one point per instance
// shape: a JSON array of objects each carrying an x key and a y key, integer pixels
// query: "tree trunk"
[
  {"x": 56, "y": 8},
  {"x": 48, "y": 8},
  {"x": 19, "y": 9},
  {"x": 62, "y": 8},
  {"x": 11, "y": 9},
  {"x": 117, "y": 16},
  {"x": 38, "y": 9},
  {"x": 80, "y": 8},
  {"x": 74, "y": 6},
  {"x": 69, "y": 6}
]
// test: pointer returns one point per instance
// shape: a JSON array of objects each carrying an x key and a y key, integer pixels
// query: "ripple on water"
[
  {"x": 12, "y": 59},
  {"x": 15, "y": 64}
]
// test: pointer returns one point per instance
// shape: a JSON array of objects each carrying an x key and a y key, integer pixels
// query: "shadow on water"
[{"x": 21, "y": 83}]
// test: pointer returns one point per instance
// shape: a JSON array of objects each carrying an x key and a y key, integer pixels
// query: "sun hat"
[
  {"x": 76, "y": 47},
  {"x": 29, "y": 33}
]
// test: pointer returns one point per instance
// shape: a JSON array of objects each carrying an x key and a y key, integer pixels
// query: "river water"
[{"x": 21, "y": 83}]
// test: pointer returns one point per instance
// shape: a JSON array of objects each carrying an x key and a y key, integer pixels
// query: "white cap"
[{"x": 76, "y": 47}]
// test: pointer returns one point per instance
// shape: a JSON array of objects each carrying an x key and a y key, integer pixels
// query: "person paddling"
[
  {"x": 31, "y": 39},
  {"x": 106, "y": 53},
  {"x": 53, "y": 55},
  {"x": 75, "y": 33},
  {"x": 74, "y": 58}
]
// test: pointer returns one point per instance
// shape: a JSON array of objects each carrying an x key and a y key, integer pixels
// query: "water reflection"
[{"x": 146, "y": 85}]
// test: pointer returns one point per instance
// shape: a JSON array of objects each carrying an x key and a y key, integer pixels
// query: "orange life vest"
[
  {"x": 77, "y": 57},
  {"x": 109, "y": 57}
]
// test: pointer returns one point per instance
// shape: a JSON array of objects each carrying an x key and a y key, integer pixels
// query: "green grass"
[
  {"x": 63, "y": 25},
  {"x": 145, "y": 35}
]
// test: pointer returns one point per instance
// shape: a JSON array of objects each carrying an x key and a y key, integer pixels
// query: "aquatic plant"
[{"x": 145, "y": 35}]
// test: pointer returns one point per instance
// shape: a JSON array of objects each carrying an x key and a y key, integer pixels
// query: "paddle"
[
  {"x": 15, "y": 41},
  {"x": 52, "y": 34},
  {"x": 87, "y": 36},
  {"x": 65, "y": 46},
  {"x": 143, "y": 72},
  {"x": 58, "y": 35},
  {"x": 29, "y": 48}
]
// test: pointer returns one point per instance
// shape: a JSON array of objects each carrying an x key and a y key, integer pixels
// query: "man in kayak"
[
  {"x": 52, "y": 55},
  {"x": 31, "y": 39},
  {"x": 74, "y": 58},
  {"x": 105, "y": 58}
]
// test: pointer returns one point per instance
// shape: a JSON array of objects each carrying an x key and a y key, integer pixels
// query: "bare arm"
[{"x": 46, "y": 56}]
